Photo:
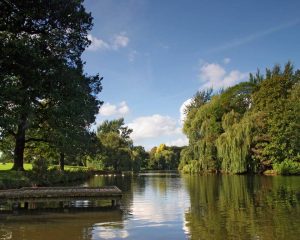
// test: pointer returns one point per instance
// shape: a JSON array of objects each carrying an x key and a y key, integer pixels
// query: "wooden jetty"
[{"x": 59, "y": 194}]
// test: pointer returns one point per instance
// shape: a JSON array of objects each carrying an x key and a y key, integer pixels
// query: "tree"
[
  {"x": 250, "y": 127},
  {"x": 139, "y": 158},
  {"x": 41, "y": 43},
  {"x": 164, "y": 157},
  {"x": 116, "y": 145}
]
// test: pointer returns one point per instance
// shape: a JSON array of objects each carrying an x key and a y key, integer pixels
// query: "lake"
[{"x": 173, "y": 206}]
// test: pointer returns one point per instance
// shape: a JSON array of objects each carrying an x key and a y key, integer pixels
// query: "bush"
[
  {"x": 40, "y": 165},
  {"x": 192, "y": 167},
  {"x": 54, "y": 176},
  {"x": 287, "y": 167},
  {"x": 39, "y": 172},
  {"x": 13, "y": 179}
]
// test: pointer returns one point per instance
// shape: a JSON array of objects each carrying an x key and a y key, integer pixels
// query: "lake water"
[{"x": 170, "y": 206}]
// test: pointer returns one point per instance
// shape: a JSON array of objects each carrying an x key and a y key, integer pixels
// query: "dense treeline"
[
  {"x": 164, "y": 157},
  {"x": 115, "y": 151},
  {"x": 251, "y": 127}
]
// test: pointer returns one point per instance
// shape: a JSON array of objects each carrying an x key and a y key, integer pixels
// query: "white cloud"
[
  {"x": 119, "y": 41},
  {"x": 182, "y": 109},
  {"x": 233, "y": 77},
  {"x": 214, "y": 75},
  {"x": 226, "y": 60},
  {"x": 108, "y": 109},
  {"x": 179, "y": 142},
  {"x": 123, "y": 108},
  {"x": 212, "y": 72},
  {"x": 152, "y": 127},
  {"x": 97, "y": 44}
]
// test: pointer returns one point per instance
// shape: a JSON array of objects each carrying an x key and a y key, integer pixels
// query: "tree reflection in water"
[{"x": 243, "y": 207}]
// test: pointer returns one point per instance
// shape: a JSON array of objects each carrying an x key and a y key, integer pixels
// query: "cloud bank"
[
  {"x": 108, "y": 109},
  {"x": 214, "y": 75}
]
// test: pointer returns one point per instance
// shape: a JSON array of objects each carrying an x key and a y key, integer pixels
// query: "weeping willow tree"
[
  {"x": 203, "y": 131},
  {"x": 234, "y": 145},
  {"x": 250, "y": 127},
  {"x": 211, "y": 119}
]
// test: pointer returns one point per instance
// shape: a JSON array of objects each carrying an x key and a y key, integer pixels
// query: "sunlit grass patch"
[{"x": 8, "y": 166}]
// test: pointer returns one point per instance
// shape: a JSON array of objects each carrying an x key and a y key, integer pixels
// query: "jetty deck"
[{"x": 60, "y": 194}]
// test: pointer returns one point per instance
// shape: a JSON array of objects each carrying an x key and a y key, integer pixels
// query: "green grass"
[
  {"x": 28, "y": 166},
  {"x": 8, "y": 166}
]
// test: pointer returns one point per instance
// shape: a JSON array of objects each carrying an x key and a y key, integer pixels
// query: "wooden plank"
[{"x": 60, "y": 193}]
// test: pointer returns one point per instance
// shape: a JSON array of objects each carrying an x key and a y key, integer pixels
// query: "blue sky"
[{"x": 154, "y": 55}]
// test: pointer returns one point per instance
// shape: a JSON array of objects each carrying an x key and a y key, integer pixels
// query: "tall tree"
[
  {"x": 250, "y": 127},
  {"x": 40, "y": 41},
  {"x": 116, "y": 144}
]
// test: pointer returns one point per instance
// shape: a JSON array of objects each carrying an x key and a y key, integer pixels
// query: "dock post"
[
  {"x": 26, "y": 205},
  {"x": 113, "y": 203}
]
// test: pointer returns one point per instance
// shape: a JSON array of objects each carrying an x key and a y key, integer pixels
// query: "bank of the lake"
[
  {"x": 51, "y": 176},
  {"x": 174, "y": 206}
]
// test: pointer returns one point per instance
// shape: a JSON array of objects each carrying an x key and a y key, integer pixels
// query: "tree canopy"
[
  {"x": 45, "y": 96},
  {"x": 250, "y": 127}
]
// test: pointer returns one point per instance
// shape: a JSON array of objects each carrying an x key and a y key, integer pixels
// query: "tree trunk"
[
  {"x": 20, "y": 145},
  {"x": 62, "y": 161}
]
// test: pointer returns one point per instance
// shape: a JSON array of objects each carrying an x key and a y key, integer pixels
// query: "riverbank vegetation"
[
  {"x": 252, "y": 127},
  {"x": 52, "y": 177}
]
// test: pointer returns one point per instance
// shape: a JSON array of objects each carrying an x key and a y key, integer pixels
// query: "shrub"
[
  {"x": 39, "y": 172},
  {"x": 287, "y": 167},
  {"x": 13, "y": 179}
]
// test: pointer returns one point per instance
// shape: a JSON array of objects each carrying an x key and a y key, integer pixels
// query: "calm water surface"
[{"x": 170, "y": 206}]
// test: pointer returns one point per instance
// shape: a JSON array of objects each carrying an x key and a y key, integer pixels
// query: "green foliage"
[
  {"x": 192, "y": 167},
  {"x": 40, "y": 165},
  {"x": 251, "y": 127},
  {"x": 116, "y": 146},
  {"x": 186, "y": 156},
  {"x": 45, "y": 96},
  {"x": 139, "y": 158},
  {"x": 164, "y": 157},
  {"x": 40, "y": 171},
  {"x": 53, "y": 176},
  {"x": 233, "y": 145},
  {"x": 13, "y": 179},
  {"x": 287, "y": 167}
]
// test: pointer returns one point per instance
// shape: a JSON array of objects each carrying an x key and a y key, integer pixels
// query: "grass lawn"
[
  {"x": 8, "y": 166},
  {"x": 28, "y": 166}
]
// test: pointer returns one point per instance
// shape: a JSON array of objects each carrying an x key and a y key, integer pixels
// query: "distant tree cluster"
[
  {"x": 251, "y": 127},
  {"x": 164, "y": 157},
  {"x": 115, "y": 150}
]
